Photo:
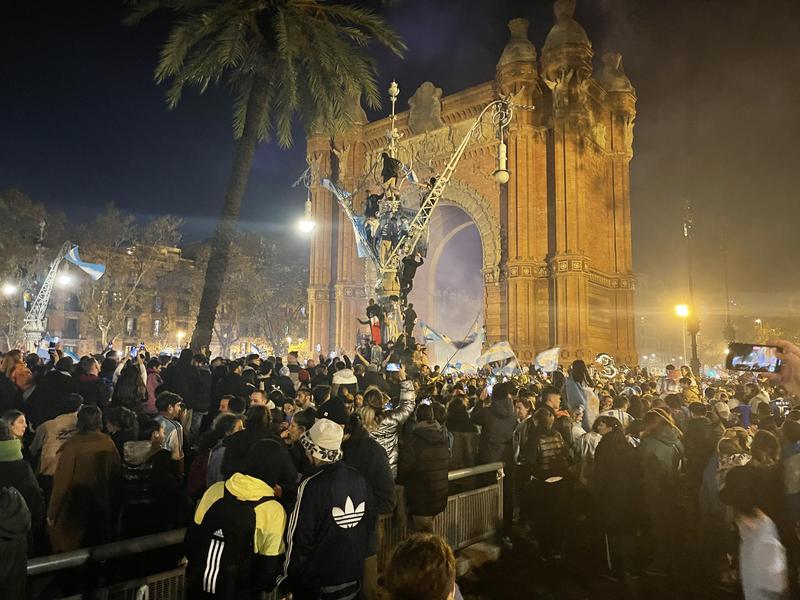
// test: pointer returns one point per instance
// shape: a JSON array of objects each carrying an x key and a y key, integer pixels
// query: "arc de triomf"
[{"x": 556, "y": 238}]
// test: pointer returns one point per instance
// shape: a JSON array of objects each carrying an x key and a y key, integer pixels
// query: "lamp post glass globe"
[
  {"x": 9, "y": 289},
  {"x": 682, "y": 311},
  {"x": 306, "y": 223}
]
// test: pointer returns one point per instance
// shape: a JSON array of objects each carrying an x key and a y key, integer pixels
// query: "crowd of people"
[{"x": 280, "y": 468}]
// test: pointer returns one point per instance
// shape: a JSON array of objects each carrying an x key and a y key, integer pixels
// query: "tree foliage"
[
  {"x": 311, "y": 52},
  {"x": 133, "y": 253}
]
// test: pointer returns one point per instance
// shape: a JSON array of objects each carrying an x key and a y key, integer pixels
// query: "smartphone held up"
[{"x": 755, "y": 358}]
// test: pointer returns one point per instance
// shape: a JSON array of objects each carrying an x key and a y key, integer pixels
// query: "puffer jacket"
[
  {"x": 423, "y": 470},
  {"x": 388, "y": 432},
  {"x": 497, "y": 427}
]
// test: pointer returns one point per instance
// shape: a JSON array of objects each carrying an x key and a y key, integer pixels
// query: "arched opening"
[{"x": 448, "y": 289}]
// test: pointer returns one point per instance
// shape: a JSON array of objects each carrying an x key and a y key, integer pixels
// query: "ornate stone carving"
[
  {"x": 519, "y": 47},
  {"x": 342, "y": 158},
  {"x": 629, "y": 123},
  {"x": 426, "y": 109},
  {"x": 612, "y": 76},
  {"x": 560, "y": 88}
]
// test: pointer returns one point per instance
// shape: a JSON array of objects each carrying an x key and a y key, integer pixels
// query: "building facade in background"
[{"x": 556, "y": 240}]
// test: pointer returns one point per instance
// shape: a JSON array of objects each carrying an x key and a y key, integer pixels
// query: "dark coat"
[
  {"x": 45, "y": 401},
  {"x": 10, "y": 396},
  {"x": 660, "y": 456},
  {"x": 423, "y": 470},
  {"x": 498, "y": 423},
  {"x": 95, "y": 391},
  {"x": 15, "y": 524},
  {"x": 17, "y": 473},
  {"x": 369, "y": 458},
  {"x": 202, "y": 393},
  {"x": 617, "y": 486},
  {"x": 234, "y": 384},
  {"x": 700, "y": 440},
  {"x": 329, "y": 531},
  {"x": 182, "y": 379}
]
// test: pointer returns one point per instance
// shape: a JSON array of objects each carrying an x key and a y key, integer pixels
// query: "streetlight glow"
[
  {"x": 682, "y": 310},
  {"x": 64, "y": 279},
  {"x": 9, "y": 289},
  {"x": 306, "y": 223}
]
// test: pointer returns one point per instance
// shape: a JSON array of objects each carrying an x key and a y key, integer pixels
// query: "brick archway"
[{"x": 477, "y": 208}]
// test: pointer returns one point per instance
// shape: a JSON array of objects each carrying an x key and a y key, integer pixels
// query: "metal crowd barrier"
[{"x": 471, "y": 516}]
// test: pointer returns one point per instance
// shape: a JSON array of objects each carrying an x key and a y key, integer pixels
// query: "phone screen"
[
  {"x": 134, "y": 351},
  {"x": 755, "y": 358},
  {"x": 392, "y": 367}
]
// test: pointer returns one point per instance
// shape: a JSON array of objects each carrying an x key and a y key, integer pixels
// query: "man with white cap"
[{"x": 330, "y": 527}]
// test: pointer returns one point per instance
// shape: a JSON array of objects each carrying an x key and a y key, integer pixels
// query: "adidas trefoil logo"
[
  {"x": 218, "y": 533},
  {"x": 350, "y": 516}
]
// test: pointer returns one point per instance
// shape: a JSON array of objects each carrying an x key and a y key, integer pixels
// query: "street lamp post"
[
  {"x": 693, "y": 324},
  {"x": 682, "y": 311},
  {"x": 180, "y": 335}
]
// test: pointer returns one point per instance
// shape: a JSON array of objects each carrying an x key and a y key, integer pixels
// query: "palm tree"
[{"x": 281, "y": 59}]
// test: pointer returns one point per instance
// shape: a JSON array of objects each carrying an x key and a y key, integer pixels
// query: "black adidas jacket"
[{"x": 328, "y": 534}]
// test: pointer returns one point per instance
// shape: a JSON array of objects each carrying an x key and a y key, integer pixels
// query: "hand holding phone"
[
  {"x": 754, "y": 358},
  {"x": 789, "y": 375}
]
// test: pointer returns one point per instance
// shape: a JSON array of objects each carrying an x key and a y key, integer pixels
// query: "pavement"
[{"x": 519, "y": 574}]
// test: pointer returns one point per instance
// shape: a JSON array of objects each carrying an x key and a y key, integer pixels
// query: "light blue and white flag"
[
  {"x": 547, "y": 361},
  {"x": 93, "y": 270},
  {"x": 431, "y": 335},
  {"x": 501, "y": 351}
]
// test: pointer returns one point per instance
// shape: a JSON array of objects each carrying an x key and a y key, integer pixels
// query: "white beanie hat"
[
  {"x": 324, "y": 440},
  {"x": 344, "y": 377}
]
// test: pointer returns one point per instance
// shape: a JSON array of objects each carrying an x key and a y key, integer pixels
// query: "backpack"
[{"x": 220, "y": 550}]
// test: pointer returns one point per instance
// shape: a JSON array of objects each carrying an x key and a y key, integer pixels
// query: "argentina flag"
[{"x": 93, "y": 270}]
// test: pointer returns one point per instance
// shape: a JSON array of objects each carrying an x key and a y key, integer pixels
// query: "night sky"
[{"x": 718, "y": 83}]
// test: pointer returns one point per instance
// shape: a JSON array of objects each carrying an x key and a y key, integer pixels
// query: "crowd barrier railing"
[{"x": 471, "y": 516}]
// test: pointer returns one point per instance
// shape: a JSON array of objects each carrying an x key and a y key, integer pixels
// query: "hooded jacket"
[
  {"x": 15, "y": 523},
  {"x": 17, "y": 473},
  {"x": 423, "y": 470},
  {"x": 329, "y": 532},
  {"x": 660, "y": 457},
  {"x": 270, "y": 516},
  {"x": 497, "y": 426},
  {"x": 182, "y": 379},
  {"x": 45, "y": 402}
]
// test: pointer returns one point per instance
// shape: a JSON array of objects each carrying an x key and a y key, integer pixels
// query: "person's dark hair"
[
  {"x": 674, "y": 401},
  {"x": 558, "y": 380},
  {"x": 636, "y": 408},
  {"x": 422, "y": 567},
  {"x": 86, "y": 363},
  {"x": 90, "y": 418},
  {"x": 5, "y": 432},
  {"x": 237, "y": 404},
  {"x": 153, "y": 363},
  {"x": 11, "y": 415},
  {"x": 320, "y": 393},
  {"x": 258, "y": 417},
  {"x": 620, "y": 401},
  {"x": 225, "y": 423},
  {"x": 525, "y": 401},
  {"x": 253, "y": 357},
  {"x": 547, "y": 391},
  {"x": 166, "y": 399},
  {"x": 439, "y": 412},
  {"x": 709, "y": 393},
  {"x": 685, "y": 381},
  {"x": 791, "y": 430},
  {"x": 64, "y": 364},
  {"x": 424, "y": 413},
  {"x": 616, "y": 441},
  {"x": 698, "y": 409},
  {"x": 580, "y": 373},
  {"x": 765, "y": 448},
  {"x": 607, "y": 421},
  {"x": 109, "y": 365},
  {"x": 200, "y": 359},
  {"x": 122, "y": 417},
  {"x": 147, "y": 428},
  {"x": 305, "y": 418},
  {"x": 670, "y": 367},
  {"x": 503, "y": 390}
]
